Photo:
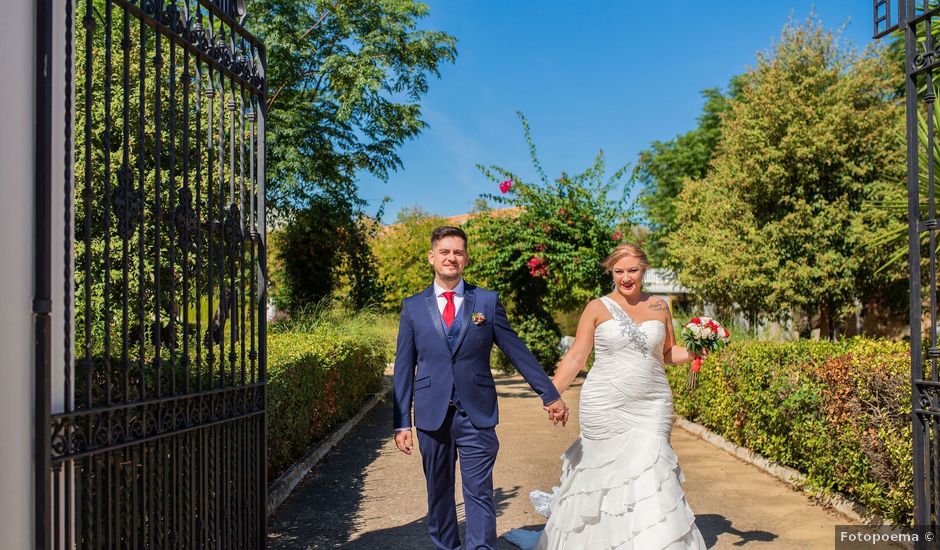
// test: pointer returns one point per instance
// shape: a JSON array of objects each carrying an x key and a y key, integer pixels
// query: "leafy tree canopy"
[
  {"x": 779, "y": 222},
  {"x": 401, "y": 252},
  {"x": 662, "y": 169},
  {"x": 345, "y": 80}
]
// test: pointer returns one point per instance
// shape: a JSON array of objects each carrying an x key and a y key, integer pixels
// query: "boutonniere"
[{"x": 478, "y": 318}]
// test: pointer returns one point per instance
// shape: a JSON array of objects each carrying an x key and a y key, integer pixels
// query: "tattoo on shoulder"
[{"x": 658, "y": 305}]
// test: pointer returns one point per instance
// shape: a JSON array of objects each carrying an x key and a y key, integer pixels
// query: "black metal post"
[
  {"x": 905, "y": 14},
  {"x": 42, "y": 262}
]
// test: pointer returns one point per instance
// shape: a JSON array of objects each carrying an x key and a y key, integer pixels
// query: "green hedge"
[
  {"x": 316, "y": 380},
  {"x": 839, "y": 412}
]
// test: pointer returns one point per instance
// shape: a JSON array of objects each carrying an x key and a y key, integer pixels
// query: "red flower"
[
  {"x": 617, "y": 235},
  {"x": 505, "y": 186},
  {"x": 561, "y": 212},
  {"x": 539, "y": 247},
  {"x": 696, "y": 320},
  {"x": 537, "y": 267}
]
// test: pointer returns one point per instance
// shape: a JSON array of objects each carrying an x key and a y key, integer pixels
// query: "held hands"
[
  {"x": 557, "y": 412},
  {"x": 405, "y": 441}
]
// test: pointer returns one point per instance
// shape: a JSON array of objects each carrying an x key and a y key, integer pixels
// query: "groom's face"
[{"x": 448, "y": 256}]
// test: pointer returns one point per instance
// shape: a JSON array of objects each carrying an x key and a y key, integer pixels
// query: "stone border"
[
  {"x": 281, "y": 488},
  {"x": 852, "y": 510}
]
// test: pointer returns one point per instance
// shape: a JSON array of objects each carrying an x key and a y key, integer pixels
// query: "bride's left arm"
[{"x": 672, "y": 352}]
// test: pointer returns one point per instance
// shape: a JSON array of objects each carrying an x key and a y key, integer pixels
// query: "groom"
[{"x": 448, "y": 331}]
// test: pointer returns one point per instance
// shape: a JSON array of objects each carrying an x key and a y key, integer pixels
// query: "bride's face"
[{"x": 628, "y": 276}]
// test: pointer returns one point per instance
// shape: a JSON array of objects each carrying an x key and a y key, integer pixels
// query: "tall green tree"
[
  {"x": 662, "y": 169},
  {"x": 780, "y": 221},
  {"x": 345, "y": 82},
  {"x": 893, "y": 202}
]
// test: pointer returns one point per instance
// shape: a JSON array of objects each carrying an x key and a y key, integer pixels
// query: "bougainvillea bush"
[{"x": 545, "y": 257}]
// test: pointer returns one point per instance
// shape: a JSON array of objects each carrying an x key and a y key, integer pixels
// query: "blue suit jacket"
[{"x": 423, "y": 344}]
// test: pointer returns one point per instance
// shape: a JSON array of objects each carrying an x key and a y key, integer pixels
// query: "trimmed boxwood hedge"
[
  {"x": 316, "y": 380},
  {"x": 839, "y": 412}
]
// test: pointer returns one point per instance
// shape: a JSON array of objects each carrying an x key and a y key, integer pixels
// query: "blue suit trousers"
[{"x": 476, "y": 448}]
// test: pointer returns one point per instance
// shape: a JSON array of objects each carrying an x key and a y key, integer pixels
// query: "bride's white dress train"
[{"x": 620, "y": 481}]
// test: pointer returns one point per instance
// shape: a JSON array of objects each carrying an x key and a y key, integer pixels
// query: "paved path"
[{"x": 368, "y": 495}]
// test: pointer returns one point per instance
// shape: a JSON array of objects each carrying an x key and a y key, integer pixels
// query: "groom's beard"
[{"x": 450, "y": 279}]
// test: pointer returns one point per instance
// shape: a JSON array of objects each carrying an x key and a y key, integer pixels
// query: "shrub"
[
  {"x": 402, "y": 255},
  {"x": 541, "y": 335},
  {"x": 322, "y": 251},
  {"x": 544, "y": 255},
  {"x": 839, "y": 412},
  {"x": 320, "y": 371}
]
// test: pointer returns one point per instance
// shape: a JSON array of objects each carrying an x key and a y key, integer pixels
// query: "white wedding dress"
[{"x": 620, "y": 481}]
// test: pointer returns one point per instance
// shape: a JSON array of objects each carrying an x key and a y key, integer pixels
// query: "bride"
[{"x": 620, "y": 481}]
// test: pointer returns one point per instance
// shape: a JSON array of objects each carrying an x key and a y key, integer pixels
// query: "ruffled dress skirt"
[
  {"x": 621, "y": 493},
  {"x": 620, "y": 484}
]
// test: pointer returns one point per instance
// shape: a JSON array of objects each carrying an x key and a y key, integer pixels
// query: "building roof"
[{"x": 662, "y": 281}]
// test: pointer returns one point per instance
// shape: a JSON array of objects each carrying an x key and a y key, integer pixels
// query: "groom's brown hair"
[{"x": 447, "y": 231}]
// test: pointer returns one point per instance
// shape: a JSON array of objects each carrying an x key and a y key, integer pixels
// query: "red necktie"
[{"x": 449, "y": 310}]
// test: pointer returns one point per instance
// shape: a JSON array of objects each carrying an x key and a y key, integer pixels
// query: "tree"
[
  {"x": 543, "y": 254},
  {"x": 662, "y": 169},
  {"x": 893, "y": 202},
  {"x": 311, "y": 258},
  {"x": 345, "y": 81},
  {"x": 779, "y": 223},
  {"x": 401, "y": 252}
]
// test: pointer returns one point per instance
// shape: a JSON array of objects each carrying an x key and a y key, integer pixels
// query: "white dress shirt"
[{"x": 442, "y": 301}]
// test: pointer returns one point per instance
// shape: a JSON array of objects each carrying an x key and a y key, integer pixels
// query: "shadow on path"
[
  {"x": 322, "y": 510},
  {"x": 713, "y": 526}
]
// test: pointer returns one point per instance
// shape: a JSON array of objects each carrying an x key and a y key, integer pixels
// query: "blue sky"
[{"x": 602, "y": 74}]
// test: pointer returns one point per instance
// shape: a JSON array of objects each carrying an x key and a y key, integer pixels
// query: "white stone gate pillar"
[{"x": 17, "y": 138}]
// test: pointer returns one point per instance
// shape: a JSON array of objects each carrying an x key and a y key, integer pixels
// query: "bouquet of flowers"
[{"x": 702, "y": 334}]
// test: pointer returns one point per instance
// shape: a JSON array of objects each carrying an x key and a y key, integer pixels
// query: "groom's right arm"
[
  {"x": 406, "y": 356},
  {"x": 405, "y": 360}
]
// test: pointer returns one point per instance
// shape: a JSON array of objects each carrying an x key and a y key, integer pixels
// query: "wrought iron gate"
[
  {"x": 158, "y": 440},
  {"x": 916, "y": 20}
]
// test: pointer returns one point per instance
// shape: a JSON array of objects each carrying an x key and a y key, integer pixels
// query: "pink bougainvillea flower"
[
  {"x": 562, "y": 212},
  {"x": 505, "y": 186},
  {"x": 616, "y": 235},
  {"x": 537, "y": 267}
]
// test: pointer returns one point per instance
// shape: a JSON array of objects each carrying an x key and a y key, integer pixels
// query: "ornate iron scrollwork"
[
  {"x": 171, "y": 140},
  {"x": 184, "y": 219},
  {"x": 233, "y": 231},
  {"x": 126, "y": 202}
]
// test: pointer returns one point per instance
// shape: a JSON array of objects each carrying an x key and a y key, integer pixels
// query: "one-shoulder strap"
[{"x": 608, "y": 303}]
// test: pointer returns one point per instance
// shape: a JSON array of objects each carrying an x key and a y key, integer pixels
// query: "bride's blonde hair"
[{"x": 622, "y": 251}]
